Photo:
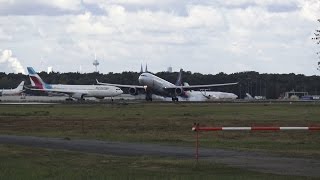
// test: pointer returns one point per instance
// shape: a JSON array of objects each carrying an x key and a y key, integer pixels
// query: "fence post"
[{"x": 195, "y": 128}]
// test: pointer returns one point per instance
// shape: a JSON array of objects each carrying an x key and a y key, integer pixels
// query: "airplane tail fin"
[
  {"x": 20, "y": 86},
  {"x": 179, "y": 79},
  {"x": 35, "y": 79},
  {"x": 248, "y": 96}
]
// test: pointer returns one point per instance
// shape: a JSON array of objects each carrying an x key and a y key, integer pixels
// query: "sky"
[{"x": 205, "y": 36}]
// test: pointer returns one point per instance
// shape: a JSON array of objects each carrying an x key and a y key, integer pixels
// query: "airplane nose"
[{"x": 140, "y": 80}]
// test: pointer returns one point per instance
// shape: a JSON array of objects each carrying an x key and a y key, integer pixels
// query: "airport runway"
[{"x": 255, "y": 161}]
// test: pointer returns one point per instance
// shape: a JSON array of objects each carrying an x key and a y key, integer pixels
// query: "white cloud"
[
  {"x": 258, "y": 2},
  {"x": 131, "y": 2},
  {"x": 36, "y": 7},
  {"x": 200, "y": 35},
  {"x": 12, "y": 62},
  {"x": 144, "y": 22},
  {"x": 87, "y": 24},
  {"x": 310, "y": 9},
  {"x": 7, "y": 1},
  {"x": 62, "y": 4},
  {"x": 4, "y": 36}
]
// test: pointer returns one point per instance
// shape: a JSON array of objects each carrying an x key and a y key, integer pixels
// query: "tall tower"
[
  {"x": 146, "y": 70},
  {"x": 96, "y": 62},
  {"x": 141, "y": 69}
]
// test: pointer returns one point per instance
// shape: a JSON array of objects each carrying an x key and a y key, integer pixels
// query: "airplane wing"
[
  {"x": 195, "y": 87},
  {"x": 121, "y": 85}
]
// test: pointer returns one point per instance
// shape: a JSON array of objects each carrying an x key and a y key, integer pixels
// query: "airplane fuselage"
[
  {"x": 155, "y": 84},
  {"x": 158, "y": 86},
  {"x": 90, "y": 90}
]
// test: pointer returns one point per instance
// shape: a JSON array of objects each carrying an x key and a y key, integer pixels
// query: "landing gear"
[
  {"x": 69, "y": 99},
  {"x": 148, "y": 96},
  {"x": 175, "y": 99},
  {"x": 81, "y": 99}
]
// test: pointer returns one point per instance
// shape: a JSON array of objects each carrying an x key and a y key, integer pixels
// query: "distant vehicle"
[
  {"x": 151, "y": 84},
  {"x": 308, "y": 97},
  {"x": 78, "y": 92},
  {"x": 16, "y": 91}
]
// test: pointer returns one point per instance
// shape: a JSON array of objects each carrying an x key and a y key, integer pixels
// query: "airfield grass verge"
[
  {"x": 171, "y": 124},
  {"x": 18, "y": 162}
]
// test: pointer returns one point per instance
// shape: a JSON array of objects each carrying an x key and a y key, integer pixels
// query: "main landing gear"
[
  {"x": 175, "y": 99},
  {"x": 148, "y": 96},
  {"x": 69, "y": 99}
]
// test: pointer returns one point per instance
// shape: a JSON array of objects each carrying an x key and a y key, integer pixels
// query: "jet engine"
[
  {"x": 78, "y": 96},
  {"x": 179, "y": 91},
  {"x": 133, "y": 91}
]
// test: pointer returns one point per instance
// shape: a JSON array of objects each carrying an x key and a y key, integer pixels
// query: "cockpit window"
[{"x": 143, "y": 75}]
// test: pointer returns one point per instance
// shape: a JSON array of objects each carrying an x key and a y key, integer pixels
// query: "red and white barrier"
[{"x": 197, "y": 129}]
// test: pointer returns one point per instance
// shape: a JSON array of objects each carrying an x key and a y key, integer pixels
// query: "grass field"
[
  {"x": 35, "y": 163},
  {"x": 170, "y": 123}
]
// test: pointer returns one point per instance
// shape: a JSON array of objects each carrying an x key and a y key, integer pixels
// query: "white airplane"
[
  {"x": 205, "y": 95},
  {"x": 8, "y": 92},
  {"x": 151, "y": 84},
  {"x": 201, "y": 95},
  {"x": 74, "y": 91}
]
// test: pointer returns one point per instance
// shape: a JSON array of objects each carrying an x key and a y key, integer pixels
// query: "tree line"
[{"x": 272, "y": 86}]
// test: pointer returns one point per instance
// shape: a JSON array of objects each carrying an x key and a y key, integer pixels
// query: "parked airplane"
[
  {"x": 205, "y": 95},
  {"x": 17, "y": 90},
  {"x": 151, "y": 84},
  {"x": 74, "y": 91}
]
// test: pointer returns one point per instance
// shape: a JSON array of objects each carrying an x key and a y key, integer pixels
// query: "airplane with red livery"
[{"x": 78, "y": 92}]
